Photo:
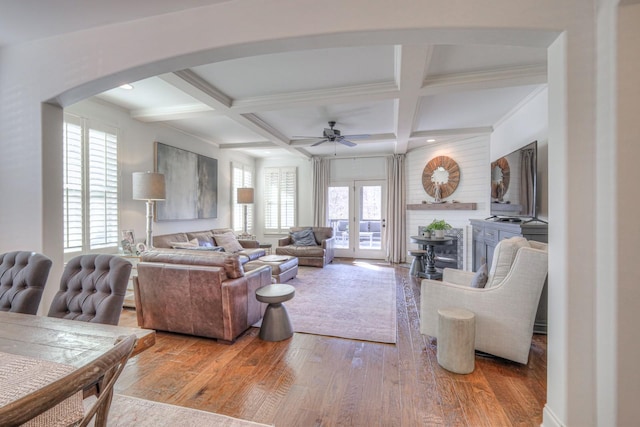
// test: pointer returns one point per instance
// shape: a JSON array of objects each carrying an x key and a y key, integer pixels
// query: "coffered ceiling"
[{"x": 401, "y": 96}]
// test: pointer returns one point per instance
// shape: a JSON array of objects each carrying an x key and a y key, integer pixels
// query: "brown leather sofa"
[
  {"x": 251, "y": 248},
  {"x": 206, "y": 294},
  {"x": 314, "y": 256}
]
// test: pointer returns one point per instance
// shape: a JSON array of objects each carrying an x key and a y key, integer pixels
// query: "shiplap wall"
[{"x": 472, "y": 156}]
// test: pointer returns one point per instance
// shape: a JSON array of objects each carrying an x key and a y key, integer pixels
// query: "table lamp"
[
  {"x": 245, "y": 197},
  {"x": 148, "y": 186}
]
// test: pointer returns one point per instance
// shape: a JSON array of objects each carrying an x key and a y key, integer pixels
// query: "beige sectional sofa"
[{"x": 207, "y": 294}]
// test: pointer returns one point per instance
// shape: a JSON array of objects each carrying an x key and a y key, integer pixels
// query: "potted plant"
[{"x": 438, "y": 227}]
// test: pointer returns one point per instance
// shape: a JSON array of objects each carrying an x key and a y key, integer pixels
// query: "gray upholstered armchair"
[
  {"x": 505, "y": 309},
  {"x": 23, "y": 275},
  {"x": 317, "y": 254},
  {"x": 92, "y": 289}
]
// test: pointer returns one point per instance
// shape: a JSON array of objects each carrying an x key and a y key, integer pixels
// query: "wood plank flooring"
[{"x": 313, "y": 380}]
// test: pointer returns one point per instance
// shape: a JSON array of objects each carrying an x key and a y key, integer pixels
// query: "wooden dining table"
[
  {"x": 36, "y": 350},
  {"x": 69, "y": 342}
]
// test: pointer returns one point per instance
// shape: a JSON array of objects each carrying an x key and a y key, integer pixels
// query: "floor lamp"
[
  {"x": 148, "y": 186},
  {"x": 245, "y": 197}
]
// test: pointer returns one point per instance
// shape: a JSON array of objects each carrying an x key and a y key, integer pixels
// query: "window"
[
  {"x": 280, "y": 199},
  {"x": 90, "y": 155},
  {"x": 241, "y": 176}
]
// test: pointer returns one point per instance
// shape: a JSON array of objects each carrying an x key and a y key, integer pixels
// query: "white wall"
[
  {"x": 528, "y": 123},
  {"x": 136, "y": 154},
  {"x": 73, "y": 66},
  {"x": 472, "y": 156}
]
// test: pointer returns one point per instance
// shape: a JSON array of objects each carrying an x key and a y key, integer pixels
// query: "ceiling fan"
[{"x": 333, "y": 135}]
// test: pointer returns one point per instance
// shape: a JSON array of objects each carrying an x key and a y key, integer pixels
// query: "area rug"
[
  {"x": 131, "y": 411},
  {"x": 355, "y": 301}
]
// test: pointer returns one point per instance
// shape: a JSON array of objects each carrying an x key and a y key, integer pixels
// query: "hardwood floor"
[{"x": 313, "y": 380}]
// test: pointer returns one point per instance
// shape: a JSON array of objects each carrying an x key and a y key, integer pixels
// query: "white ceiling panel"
[
  {"x": 357, "y": 118},
  {"x": 300, "y": 71},
  {"x": 455, "y": 59},
  {"x": 469, "y": 109},
  {"x": 217, "y": 129},
  {"x": 149, "y": 94}
]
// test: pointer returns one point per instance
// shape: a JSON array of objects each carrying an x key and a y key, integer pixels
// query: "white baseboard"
[{"x": 549, "y": 419}]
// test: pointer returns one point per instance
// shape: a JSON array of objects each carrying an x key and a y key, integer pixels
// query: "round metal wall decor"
[{"x": 442, "y": 171}]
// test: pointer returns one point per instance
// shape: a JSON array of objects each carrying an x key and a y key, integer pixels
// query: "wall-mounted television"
[{"x": 513, "y": 184}]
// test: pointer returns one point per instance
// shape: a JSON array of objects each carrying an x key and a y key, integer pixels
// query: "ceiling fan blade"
[
  {"x": 346, "y": 142},
  {"x": 319, "y": 142},
  {"x": 358, "y": 136}
]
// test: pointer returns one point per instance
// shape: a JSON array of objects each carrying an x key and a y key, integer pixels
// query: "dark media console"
[{"x": 486, "y": 235}]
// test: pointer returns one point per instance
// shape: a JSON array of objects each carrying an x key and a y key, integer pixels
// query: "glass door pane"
[
  {"x": 355, "y": 212},
  {"x": 339, "y": 202},
  {"x": 371, "y": 224}
]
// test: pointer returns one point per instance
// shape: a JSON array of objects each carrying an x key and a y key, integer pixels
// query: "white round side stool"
[
  {"x": 456, "y": 340},
  {"x": 276, "y": 325}
]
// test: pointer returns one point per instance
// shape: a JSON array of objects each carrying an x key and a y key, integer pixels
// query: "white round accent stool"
[
  {"x": 276, "y": 325},
  {"x": 456, "y": 340}
]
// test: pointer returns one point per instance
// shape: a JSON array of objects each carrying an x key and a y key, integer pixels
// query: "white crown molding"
[
  {"x": 504, "y": 77},
  {"x": 475, "y": 131},
  {"x": 346, "y": 94},
  {"x": 176, "y": 112}
]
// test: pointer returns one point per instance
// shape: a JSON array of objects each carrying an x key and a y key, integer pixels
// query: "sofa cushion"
[
  {"x": 185, "y": 245},
  {"x": 205, "y": 238},
  {"x": 229, "y": 242},
  {"x": 503, "y": 256},
  {"x": 304, "y": 238},
  {"x": 301, "y": 251},
  {"x": 230, "y": 262},
  {"x": 165, "y": 240}
]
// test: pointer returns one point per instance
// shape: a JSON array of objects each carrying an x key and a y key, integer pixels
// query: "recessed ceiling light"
[
  {"x": 431, "y": 140},
  {"x": 126, "y": 86}
]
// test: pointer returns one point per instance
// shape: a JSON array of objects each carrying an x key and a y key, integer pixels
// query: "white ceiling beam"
[
  {"x": 193, "y": 85},
  {"x": 177, "y": 112},
  {"x": 338, "y": 95},
  {"x": 435, "y": 133},
  {"x": 504, "y": 77},
  {"x": 410, "y": 68}
]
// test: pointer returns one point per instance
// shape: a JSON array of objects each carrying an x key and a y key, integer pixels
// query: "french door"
[{"x": 356, "y": 213}]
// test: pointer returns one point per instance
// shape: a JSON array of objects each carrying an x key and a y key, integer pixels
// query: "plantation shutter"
[
  {"x": 103, "y": 189},
  {"x": 280, "y": 199},
  {"x": 90, "y": 183},
  {"x": 72, "y": 184}
]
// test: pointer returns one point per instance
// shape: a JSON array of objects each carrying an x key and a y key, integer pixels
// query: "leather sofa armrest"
[
  {"x": 285, "y": 241},
  {"x": 249, "y": 244}
]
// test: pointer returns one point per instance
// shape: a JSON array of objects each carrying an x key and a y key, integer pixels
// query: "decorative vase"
[{"x": 439, "y": 234}]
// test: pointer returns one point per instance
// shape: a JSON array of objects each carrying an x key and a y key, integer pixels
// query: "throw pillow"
[
  {"x": 480, "y": 278},
  {"x": 185, "y": 245},
  {"x": 304, "y": 238},
  {"x": 229, "y": 242}
]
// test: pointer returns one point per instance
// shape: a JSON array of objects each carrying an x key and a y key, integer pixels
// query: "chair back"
[
  {"x": 23, "y": 275},
  {"x": 503, "y": 256},
  {"x": 92, "y": 289},
  {"x": 105, "y": 369}
]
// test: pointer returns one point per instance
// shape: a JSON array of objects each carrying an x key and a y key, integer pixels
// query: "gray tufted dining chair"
[
  {"x": 23, "y": 275},
  {"x": 92, "y": 289}
]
